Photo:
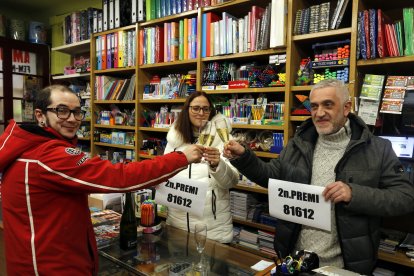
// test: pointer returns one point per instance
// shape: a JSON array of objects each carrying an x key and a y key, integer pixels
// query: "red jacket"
[{"x": 47, "y": 225}]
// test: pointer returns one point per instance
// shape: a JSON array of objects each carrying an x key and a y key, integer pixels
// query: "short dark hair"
[
  {"x": 183, "y": 124},
  {"x": 43, "y": 96}
]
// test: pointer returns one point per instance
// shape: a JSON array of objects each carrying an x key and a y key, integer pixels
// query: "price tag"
[
  {"x": 299, "y": 203},
  {"x": 182, "y": 193}
]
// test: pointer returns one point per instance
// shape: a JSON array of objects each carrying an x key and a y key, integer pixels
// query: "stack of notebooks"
[
  {"x": 388, "y": 245},
  {"x": 242, "y": 205},
  {"x": 379, "y": 36},
  {"x": 318, "y": 18},
  {"x": 266, "y": 242},
  {"x": 249, "y": 239}
]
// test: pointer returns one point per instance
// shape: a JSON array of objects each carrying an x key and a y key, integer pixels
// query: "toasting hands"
[
  {"x": 194, "y": 153},
  {"x": 212, "y": 156}
]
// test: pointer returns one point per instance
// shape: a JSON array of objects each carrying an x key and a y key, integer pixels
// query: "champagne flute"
[
  {"x": 206, "y": 135},
  {"x": 200, "y": 234},
  {"x": 223, "y": 129},
  {"x": 203, "y": 130}
]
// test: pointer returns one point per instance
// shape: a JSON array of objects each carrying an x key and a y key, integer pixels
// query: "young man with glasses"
[{"x": 46, "y": 181}]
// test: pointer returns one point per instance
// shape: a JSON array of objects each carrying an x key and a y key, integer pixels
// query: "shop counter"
[{"x": 174, "y": 249}]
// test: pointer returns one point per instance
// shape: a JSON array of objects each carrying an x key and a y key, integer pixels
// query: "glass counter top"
[{"x": 174, "y": 249}]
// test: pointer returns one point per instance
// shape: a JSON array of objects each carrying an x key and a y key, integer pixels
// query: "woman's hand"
[{"x": 212, "y": 156}]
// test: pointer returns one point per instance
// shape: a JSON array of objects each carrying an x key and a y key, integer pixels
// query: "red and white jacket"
[{"x": 45, "y": 183}]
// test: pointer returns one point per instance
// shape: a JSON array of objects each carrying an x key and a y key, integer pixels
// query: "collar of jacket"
[
  {"x": 47, "y": 132},
  {"x": 307, "y": 130}
]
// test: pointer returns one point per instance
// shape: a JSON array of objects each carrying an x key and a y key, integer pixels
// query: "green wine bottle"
[{"x": 128, "y": 226}]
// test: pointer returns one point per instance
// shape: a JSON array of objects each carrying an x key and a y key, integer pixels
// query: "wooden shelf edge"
[
  {"x": 264, "y": 127},
  {"x": 247, "y": 90},
  {"x": 343, "y": 31},
  {"x": 73, "y": 48},
  {"x": 246, "y": 54},
  {"x": 155, "y": 101},
  {"x": 259, "y": 226},
  {"x": 168, "y": 18},
  {"x": 155, "y": 129},
  {"x": 167, "y": 64},
  {"x": 301, "y": 88},
  {"x": 255, "y": 189},
  {"x": 115, "y": 126},
  {"x": 71, "y": 76},
  {"x": 397, "y": 258},
  {"x": 113, "y": 102},
  {"x": 125, "y": 28},
  {"x": 385, "y": 61},
  {"x": 299, "y": 118},
  {"x": 114, "y": 146},
  {"x": 115, "y": 70}
]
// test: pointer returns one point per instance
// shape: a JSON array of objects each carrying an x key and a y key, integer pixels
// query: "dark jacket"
[{"x": 369, "y": 166}]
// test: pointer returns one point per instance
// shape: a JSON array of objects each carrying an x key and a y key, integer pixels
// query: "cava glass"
[
  {"x": 200, "y": 234},
  {"x": 204, "y": 132},
  {"x": 223, "y": 129}
]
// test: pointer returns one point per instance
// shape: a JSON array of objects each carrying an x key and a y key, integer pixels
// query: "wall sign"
[
  {"x": 299, "y": 203},
  {"x": 22, "y": 62}
]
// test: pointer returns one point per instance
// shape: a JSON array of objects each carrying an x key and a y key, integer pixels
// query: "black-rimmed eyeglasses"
[
  {"x": 197, "y": 109},
  {"x": 63, "y": 112}
]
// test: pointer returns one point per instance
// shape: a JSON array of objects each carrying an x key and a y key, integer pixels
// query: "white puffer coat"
[{"x": 219, "y": 225}]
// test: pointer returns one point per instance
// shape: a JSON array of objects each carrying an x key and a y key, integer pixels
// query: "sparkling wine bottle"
[{"x": 128, "y": 226}]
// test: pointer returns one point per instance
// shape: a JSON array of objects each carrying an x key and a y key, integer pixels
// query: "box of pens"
[{"x": 273, "y": 113}]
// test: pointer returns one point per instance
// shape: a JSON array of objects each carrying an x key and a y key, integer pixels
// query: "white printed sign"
[
  {"x": 22, "y": 62},
  {"x": 299, "y": 203},
  {"x": 182, "y": 193}
]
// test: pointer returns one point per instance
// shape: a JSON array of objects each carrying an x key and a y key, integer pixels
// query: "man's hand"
[
  {"x": 337, "y": 192},
  {"x": 212, "y": 156},
  {"x": 233, "y": 150},
  {"x": 194, "y": 153}
]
